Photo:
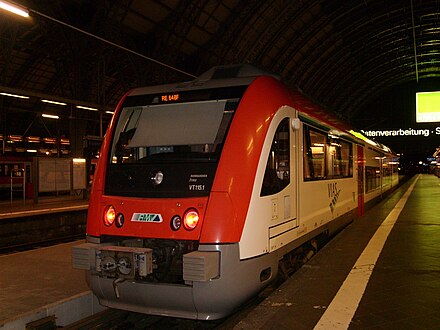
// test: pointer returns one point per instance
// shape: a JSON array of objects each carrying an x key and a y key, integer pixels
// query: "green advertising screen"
[{"x": 428, "y": 107}]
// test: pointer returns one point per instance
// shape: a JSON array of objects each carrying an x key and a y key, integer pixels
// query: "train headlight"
[
  {"x": 119, "y": 220},
  {"x": 190, "y": 219},
  {"x": 156, "y": 178},
  {"x": 176, "y": 222},
  {"x": 109, "y": 215}
]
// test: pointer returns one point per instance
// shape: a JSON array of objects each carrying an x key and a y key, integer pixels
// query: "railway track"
[
  {"x": 38, "y": 244},
  {"x": 117, "y": 320}
]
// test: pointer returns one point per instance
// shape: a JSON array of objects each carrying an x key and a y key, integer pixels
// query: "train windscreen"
[{"x": 179, "y": 142}]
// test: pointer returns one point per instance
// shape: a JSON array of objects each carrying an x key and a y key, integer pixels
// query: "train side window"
[
  {"x": 347, "y": 159},
  {"x": 340, "y": 158},
  {"x": 326, "y": 156},
  {"x": 277, "y": 174},
  {"x": 372, "y": 176},
  {"x": 314, "y": 154}
]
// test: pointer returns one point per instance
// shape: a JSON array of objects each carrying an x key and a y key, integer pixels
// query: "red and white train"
[{"x": 204, "y": 186}]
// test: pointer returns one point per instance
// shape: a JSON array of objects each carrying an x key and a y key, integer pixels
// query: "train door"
[
  {"x": 283, "y": 155},
  {"x": 361, "y": 178},
  {"x": 273, "y": 209}
]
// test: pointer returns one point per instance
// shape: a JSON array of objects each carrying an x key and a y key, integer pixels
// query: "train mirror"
[{"x": 296, "y": 124}]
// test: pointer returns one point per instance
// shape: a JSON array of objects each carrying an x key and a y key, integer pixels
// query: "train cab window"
[
  {"x": 277, "y": 174},
  {"x": 146, "y": 133}
]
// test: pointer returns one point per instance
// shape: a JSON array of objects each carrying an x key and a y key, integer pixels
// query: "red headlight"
[
  {"x": 109, "y": 215},
  {"x": 190, "y": 219}
]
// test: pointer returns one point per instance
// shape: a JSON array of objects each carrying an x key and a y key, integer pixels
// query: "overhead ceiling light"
[
  {"x": 15, "y": 138},
  {"x": 15, "y": 95},
  {"x": 86, "y": 108},
  {"x": 45, "y": 115},
  {"x": 33, "y": 139},
  {"x": 49, "y": 140},
  {"x": 53, "y": 102},
  {"x": 110, "y": 112},
  {"x": 23, "y": 12}
]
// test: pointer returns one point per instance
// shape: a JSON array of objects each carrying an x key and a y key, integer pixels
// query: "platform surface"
[
  {"x": 403, "y": 290},
  {"x": 45, "y": 205},
  {"x": 32, "y": 279}
]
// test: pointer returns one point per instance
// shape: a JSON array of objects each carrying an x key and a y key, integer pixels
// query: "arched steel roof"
[{"x": 342, "y": 54}]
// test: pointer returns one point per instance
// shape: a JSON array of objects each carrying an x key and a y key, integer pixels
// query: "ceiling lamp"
[
  {"x": 45, "y": 115},
  {"x": 15, "y": 95},
  {"x": 14, "y": 9},
  {"x": 86, "y": 108},
  {"x": 53, "y": 102}
]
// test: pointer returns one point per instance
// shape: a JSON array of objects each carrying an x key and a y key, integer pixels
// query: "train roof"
[
  {"x": 216, "y": 77},
  {"x": 244, "y": 75}
]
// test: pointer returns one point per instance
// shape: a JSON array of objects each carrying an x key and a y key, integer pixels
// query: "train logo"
[
  {"x": 333, "y": 194},
  {"x": 147, "y": 217}
]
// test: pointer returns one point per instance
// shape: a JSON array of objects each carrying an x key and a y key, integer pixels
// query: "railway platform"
[
  {"x": 381, "y": 272},
  {"x": 40, "y": 283},
  {"x": 49, "y": 205},
  {"x": 22, "y": 224}
]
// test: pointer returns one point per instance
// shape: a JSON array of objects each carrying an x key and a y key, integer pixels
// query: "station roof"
[{"x": 342, "y": 54}]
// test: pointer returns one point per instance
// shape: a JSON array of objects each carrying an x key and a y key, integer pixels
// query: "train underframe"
[
  {"x": 212, "y": 283},
  {"x": 184, "y": 279}
]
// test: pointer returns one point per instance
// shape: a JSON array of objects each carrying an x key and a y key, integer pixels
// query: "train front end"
[{"x": 149, "y": 201}]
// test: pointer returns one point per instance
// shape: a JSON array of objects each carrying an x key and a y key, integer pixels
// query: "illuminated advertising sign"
[
  {"x": 425, "y": 132},
  {"x": 428, "y": 107}
]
